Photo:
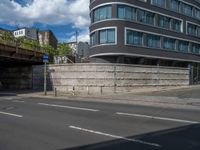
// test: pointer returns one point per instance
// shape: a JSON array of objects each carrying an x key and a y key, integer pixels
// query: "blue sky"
[{"x": 63, "y": 17}]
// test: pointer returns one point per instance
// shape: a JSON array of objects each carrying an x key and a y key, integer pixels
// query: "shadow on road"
[
  {"x": 7, "y": 93},
  {"x": 181, "y": 138},
  {"x": 16, "y": 92}
]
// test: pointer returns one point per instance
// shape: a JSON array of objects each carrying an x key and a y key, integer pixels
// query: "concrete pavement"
[
  {"x": 46, "y": 124},
  {"x": 178, "y": 97}
]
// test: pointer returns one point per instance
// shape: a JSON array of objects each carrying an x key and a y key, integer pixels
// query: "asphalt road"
[{"x": 46, "y": 124}]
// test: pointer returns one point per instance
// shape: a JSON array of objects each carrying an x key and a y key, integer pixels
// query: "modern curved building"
[{"x": 164, "y": 32}]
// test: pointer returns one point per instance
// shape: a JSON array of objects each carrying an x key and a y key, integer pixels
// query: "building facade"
[
  {"x": 80, "y": 50},
  {"x": 164, "y": 32},
  {"x": 30, "y": 33},
  {"x": 47, "y": 37},
  {"x": 83, "y": 49}
]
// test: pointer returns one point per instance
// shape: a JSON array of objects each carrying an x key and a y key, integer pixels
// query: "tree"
[
  {"x": 64, "y": 49},
  {"x": 8, "y": 38},
  {"x": 49, "y": 50},
  {"x": 28, "y": 43}
]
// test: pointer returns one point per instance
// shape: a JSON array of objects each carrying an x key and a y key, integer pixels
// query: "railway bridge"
[{"x": 16, "y": 66}]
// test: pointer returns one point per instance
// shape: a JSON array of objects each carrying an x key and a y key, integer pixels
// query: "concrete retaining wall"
[{"x": 106, "y": 78}]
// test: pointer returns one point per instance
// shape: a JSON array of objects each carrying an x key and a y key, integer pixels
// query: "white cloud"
[{"x": 55, "y": 12}]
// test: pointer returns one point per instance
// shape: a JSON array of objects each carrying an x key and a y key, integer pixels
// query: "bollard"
[
  {"x": 73, "y": 91},
  {"x": 101, "y": 90},
  {"x": 115, "y": 88},
  {"x": 55, "y": 92}
]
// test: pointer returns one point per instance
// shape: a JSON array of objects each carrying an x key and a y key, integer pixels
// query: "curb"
[{"x": 121, "y": 101}]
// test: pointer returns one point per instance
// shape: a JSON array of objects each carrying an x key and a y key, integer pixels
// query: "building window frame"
[
  {"x": 162, "y": 36},
  {"x": 102, "y": 13},
  {"x": 138, "y": 43},
  {"x": 98, "y": 37},
  {"x": 156, "y": 3}
]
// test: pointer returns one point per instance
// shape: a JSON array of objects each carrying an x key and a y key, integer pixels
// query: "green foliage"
[
  {"x": 64, "y": 49},
  {"x": 29, "y": 44},
  {"x": 8, "y": 38},
  {"x": 23, "y": 42},
  {"x": 49, "y": 50}
]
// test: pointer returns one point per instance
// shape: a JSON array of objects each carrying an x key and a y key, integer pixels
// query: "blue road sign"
[{"x": 45, "y": 58}]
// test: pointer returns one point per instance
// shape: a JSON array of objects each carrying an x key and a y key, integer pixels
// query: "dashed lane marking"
[
  {"x": 114, "y": 136},
  {"x": 10, "y": 114},
  {"x": 69, "y": 107},
  {"x": 18, "y": 101},
  {"x": 157, "y": 118}
]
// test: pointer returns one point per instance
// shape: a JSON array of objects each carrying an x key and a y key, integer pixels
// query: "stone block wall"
[{"x": 108, "y": 78}]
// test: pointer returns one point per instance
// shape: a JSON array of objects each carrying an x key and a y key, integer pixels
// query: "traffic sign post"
[{"x": 45, "y": 60}]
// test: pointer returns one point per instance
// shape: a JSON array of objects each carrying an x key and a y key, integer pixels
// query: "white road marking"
[
  {"x": 8, "y": 98},
  {"x": 158, "y": 118},
  {"x": 15, "y": 115},
  {"x": 114, "y": 136},
  {"x": 69, "y": 107},
  {"x": 11, "y": 98},
  {"x": 18, "y": 101}
]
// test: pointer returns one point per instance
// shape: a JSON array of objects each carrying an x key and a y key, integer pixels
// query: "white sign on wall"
[
  {"x": 19, "y": 33},
  {"x": 30, "y": 33},
  {"x": 60, "y": 60}
]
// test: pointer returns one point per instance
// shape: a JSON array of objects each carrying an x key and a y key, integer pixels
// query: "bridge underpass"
[{"x": 16, "y": 66}]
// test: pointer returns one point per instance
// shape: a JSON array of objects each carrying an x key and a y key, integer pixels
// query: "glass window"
[
  {"x": 174, "y": 5},
  {"x": 121, "y": 12},
  {"x": 111, "y": 36},
  {"x": 169, "y": 43},
  {"x": 145, "y": 17},
  {"x": 102, "y": 13},
  {"x": 153, "y": 41},
  {"x": 195, "y": 48},
  {"x": 125, "y": 12},
  {"x": 160, "y": 3},
  {"x": 141, "y": 16},
  {"x": 198, "y": 31},
  {"x": 192, "y": 29},
  {"x": 103, "y": 36},
  {"x": 134, "y": 37},
  {"x": 187, "y": 9},
  {"x": 149, "y": 18},
  {"x": 183, "y": 46},
  {"x": 93, "y": 39},
  {"x": 163, "y": 22},
  {"x": 107, "y": 36},
  {"x": 197, "y": 13},
  {"x": 176, "y": 25}
]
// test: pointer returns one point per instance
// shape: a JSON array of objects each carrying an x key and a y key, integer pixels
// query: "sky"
[{"x": 63, "y": 17}]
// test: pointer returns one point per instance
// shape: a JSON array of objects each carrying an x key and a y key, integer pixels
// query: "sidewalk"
[{"x": 137, "y": 98}]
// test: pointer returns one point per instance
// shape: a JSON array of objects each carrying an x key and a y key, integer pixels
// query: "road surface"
[{"x": 44, "y": 124}]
